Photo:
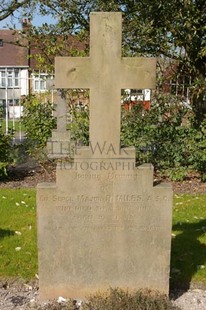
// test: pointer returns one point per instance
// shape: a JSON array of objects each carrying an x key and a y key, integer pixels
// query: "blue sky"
[{"x": 38, "y": 20}]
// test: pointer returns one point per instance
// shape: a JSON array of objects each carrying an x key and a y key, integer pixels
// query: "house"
[
  {"x": 19, "y": 76},
  {"x": 19, "y": 73},
  {"x": 132, "y": 97},
  {"x": 13, "y": 73}
]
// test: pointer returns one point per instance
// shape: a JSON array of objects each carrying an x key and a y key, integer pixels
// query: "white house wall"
[
  {"x": 15, "y": 111},
  {"x": 146, "y": 93},
  {"x": 24, "y": 85}
]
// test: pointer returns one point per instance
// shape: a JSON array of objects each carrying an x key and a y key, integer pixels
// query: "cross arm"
[
  {"x": 72, "y": 72},
  {"x": 138, "y": 73}
]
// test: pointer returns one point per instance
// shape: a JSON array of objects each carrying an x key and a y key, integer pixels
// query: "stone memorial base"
[
  {"x": 101, "y": 228},
  {"x": 59, "y": 145}
]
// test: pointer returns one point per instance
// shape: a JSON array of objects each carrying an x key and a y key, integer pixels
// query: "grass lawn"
[
  {"x": 17, "y": 125},
  {"x": 18, "y": 245},
  {"x": 188, "y": 258}
]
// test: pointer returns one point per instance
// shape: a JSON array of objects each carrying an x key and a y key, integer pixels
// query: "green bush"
[
  {"x": 197, "y": 149},
  {"x": 157, "y": 134},
  {"x": 5, "y": 146},
  {"x": 164, "y": 136},
  {"x": 79, "y": 126},
  {"x": 38, "y": 122}
]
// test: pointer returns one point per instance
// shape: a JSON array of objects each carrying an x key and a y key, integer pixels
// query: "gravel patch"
[
  {"x": 194, "y": 299},
  {"x": 17, "y": 295}
]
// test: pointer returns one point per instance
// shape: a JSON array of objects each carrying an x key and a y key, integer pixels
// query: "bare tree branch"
[{"x": 8, "y": 8}]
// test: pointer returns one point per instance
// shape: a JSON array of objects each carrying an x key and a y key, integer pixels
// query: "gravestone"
[
  {"x": 59, "y": 145},
  {"x": 103, "y": 224}
]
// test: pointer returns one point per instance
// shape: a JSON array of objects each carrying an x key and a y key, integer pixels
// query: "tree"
[
  {"x": 175, "y": 30},
  {"x": 159, "y": 28},
  {"x": 8, "y": 8}
]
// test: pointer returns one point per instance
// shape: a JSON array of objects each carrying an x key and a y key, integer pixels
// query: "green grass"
[
  {"x": 17, "y": 125},
  {"x": 18, "y": 230},
  {"x": 18, "y": 214},
  {"x": 188, "y": 257}
]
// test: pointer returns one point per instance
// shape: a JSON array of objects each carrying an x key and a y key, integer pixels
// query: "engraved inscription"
[
  {"x": 62, "y": 198},
  {"x": 95, "y": 199},
  {"x": 124, "y": 198},
  {"x": 43, "y": 198},
  {"x": 87, "y": 176},
  {"x": 133, "y": 198}
]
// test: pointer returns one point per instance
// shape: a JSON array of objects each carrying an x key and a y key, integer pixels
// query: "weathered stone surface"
[
  {"x": 103, "y": 228},
  {"x": 105, "y": 73},
  {"x": 59, "y": 145},
  {"x": 103, "y": 223}
]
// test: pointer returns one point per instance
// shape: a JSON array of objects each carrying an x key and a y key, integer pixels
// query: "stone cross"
[
  {"x": 59, "y": 145},
  {"x": 61, "y": 109},
  {"x": 105, "y": 72},
  {"x": 103, "y": 223}
]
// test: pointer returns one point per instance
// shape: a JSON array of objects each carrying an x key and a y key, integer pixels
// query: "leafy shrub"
[
  {"x": 164, "y": 136},
  {"x": 18, "y": 153},
  {"x": 79, "y": 126},
  {"x": 38, "y": 122},
  {"x": 4, "y": 153},
  {"x": 161, "y": 137},
  {"x": 177, "y": 173},
  {"x": 158, "y": 134},
  {"x": 197, "y": 149}
]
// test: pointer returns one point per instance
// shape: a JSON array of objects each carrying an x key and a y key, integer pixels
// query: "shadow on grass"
[
  {"x": 188, "y": 254},
  {"x": 6, "y": 233}
]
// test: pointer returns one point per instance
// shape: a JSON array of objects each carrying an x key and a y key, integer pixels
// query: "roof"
[
  {"x": 10, "y": 53},
  {"x": 14, "y": 51},
  {"x": 39, "y": 46}
]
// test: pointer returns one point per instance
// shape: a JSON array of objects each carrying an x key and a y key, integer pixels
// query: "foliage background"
[
  {"x": 5, "y": 141},
  {"x": 164, "y": 136},
  {"x": 171, "y": 30},
  {"x": 38, "y": 121},
  {"x": 175, "y": 32}
]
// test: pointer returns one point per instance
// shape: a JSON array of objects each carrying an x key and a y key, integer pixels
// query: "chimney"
[{"x": 26, "y": 24}]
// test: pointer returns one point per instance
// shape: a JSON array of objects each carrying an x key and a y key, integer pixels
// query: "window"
[
  {"x": 16, "y": 78},
  {"x": 2, "y": 78},
  {"x": 40, "y": 82},
  {"x": 136, "y": 91},
  {"x": 13, "y": 102},
  {"x": 1, "y": 43},
  {"x": 9, "y": 77}
]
